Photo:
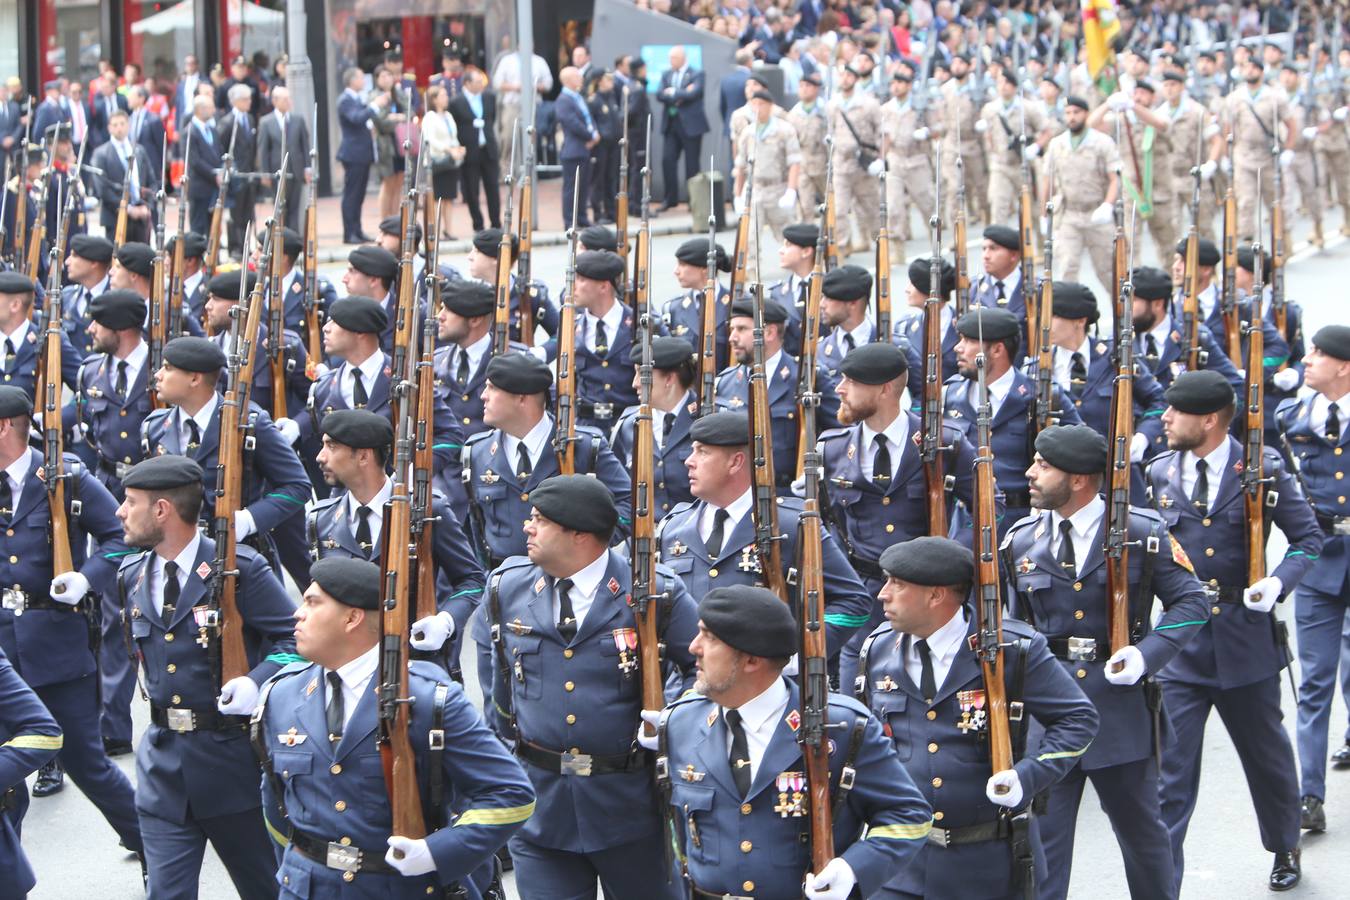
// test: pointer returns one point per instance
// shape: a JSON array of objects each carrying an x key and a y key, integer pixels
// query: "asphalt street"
[{"x": 75, "y": 853}]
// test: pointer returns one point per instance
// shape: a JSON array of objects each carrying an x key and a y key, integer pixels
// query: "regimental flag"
[{"x": 1101, "y": 25}]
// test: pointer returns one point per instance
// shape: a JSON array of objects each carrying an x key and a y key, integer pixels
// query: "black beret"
[
  {"x": 1071, "y": 300},
  {"x": 1246, "y": 260},
  {"x": 374, "y": 261},
  {"x": 137, "y": 257},
  {"x": 194, "y": 354},
  {"x": 358, "y": 428},
  {"x": 1005, "y": 236},
  {"x": 489, "y": 242},
  {"x": 667, "y": 352},
  {"x": 519, "y": 372},
  {"x": 812, "y": 78},
  {"x": 1076, "y": 449},
  {"x": 15, "y": 283},
  {"x": 1207, "y": 54},
  {"x": 694, "y": 252},
  {"x": 774, "y": 313},
  {"x": 599, "y": 237},
  {"x": 359, "y": 314},
  {"x": 920, "y": 275},
  {"x": 1147, "y": 85},
  {"x": 1173, "y": 75},
  {"x": 118, "y": 310},
  {"x": 599, "y": 265},
  {"x": 92, "y": 248},
  {"x": 1151, "y": 283},
  {"x": 350, "y": 581},
  {"x": 722, "y": 429},
  {"x": 394, "y": 225},
  {"x": 1075, "y": 100},
  {"x": 757, "y": 79},
  {"x": 292, "y": 244},
  {"x": 1208, "y": 252},
  {"x": 803, "y": 234},
  {"x": 162, "y": 472},
  {"x": 578, "y": 502},
  {"x": 14, "y": 402},
  {"x": 847, "y": 283},
  {"x": 226, "y": 284},
  {"x": 750, "y": 619},
  {"x": 901, "y": 76},
  {"x": 469, "y": 298},
  {"x": 988, "y": 324},
  {"x": 932, "y": 561},
  {"x": 876, "y": 363},
  {"x": 1200, "y": 392},
  {"x": 762, "y": 95},
  {"x": 194, "y": 245},
  {"x": 1333, "y": 340}
]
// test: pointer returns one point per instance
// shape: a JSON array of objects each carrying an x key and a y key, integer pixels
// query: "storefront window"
[
  {"x": 363, "y": 30},
  {"x": 255, "y": 30},
  {"x": 71, "y": 44},
  {"x": 159, "y": 33}
]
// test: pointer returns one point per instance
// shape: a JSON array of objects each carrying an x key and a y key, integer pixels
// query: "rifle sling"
[
  {"x": 848, "y": 773},
  {"x": 435, "y": 758},
  {"x": 499, "y": 647}
]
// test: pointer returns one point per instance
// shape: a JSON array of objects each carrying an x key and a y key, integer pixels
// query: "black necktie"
[
  {"x": 927, "y": 681},
  {"x": 9, "y": 355},
  {"x": 363, "y": 530},
  {"x": 601, "y": 339},
  {"x": 122, "y": 378},
  {"x": 667, "y": 425},
  {"x": 740, "y": 753},
  {"x": 1200, "y": 499},
  {"x": 1001, "y": 297},
  {"x": 1068, "y": 560},
  {"x": 171, "y": 590},
  {"x": 523, "y": 468},
  {"x": 6, "y": 498},
  {"x": 716, "y": 536},
  {"x": 848, "y": 342},
  {"x": 334, "y": 710},
  {"x": 462, "y": 373},
  {"x": 1077, "y": 374},
  {"x": 1334, "y": 424},
  {"x": 881, "y": 463},
  {"x": 359, "y": 396},
  {"x": 194, "y": 434},
  {"x": 567, "y": 619},
  {"x": 1151, "y": 348}
]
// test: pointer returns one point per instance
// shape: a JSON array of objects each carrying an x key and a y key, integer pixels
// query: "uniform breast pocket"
[
  {"x": 1032, "y": 589},
  {"x": 614, "y": 660},
  {"x": 140, "y": 634},
  {"x": 695, "y": 806},
  {"x": 95, "y": 407},
  {"x": 527, "y": 668},
  {"x": 291, "y": 764},
  {"x": 892, "y": 710},
  {"x": 682, "y": 566}
]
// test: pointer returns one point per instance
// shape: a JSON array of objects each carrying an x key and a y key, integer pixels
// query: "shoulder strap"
[
  {"x": 435, "y": 757},
  {"x": 1257, "y": 116},
  {"x": 848, "y": 774},
  {"x": 258, "y": 741},
  {"x": 860, "y": 691},
  {"x": 506, "y": 705},
  {"x": 1016, "y": 709},
  {"x": 1144, "y": 596}
]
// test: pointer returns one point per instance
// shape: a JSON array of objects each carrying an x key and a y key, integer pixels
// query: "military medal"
[
  {"x": 1165, "y": 501},
  {"x": 517, "y": 627},
  {"x": 886, "y": 685},
  {"x": 625, "y": 639},
  {"x": 973, "y": 714},
  {"x": 290, "y": 738},
  {"x": 794, "y": 720},
  {"x": 790, "y": 783},
  {"x": 688, "y": 773},
  {"x": 677, "y": 549},
  {"x": 1025, "y": 565},
  {"x": 489, "y": 477},
  {"x": 749, "y": 560}
]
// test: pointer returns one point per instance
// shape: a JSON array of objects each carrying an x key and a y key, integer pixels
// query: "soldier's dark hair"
[
  {"x": 686, "y": 372},
  {"x": 186, "y": 500},
  {"x": 1010, "y": 345}
]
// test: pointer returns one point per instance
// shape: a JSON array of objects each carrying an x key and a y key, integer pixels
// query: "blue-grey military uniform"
[
  {"x": 684, "y": 319},
  {"x": 75, "y": 300},
  {"x": 847, "y": 603},
  {"x": 295, "y": 361},
  {"x": 546, "y": 314},
  {"x": 604, "y": 381},
  {"x": 293, "y": 289},
  {"x": 465, "y": 401},
  {"x": 195, "y": 303},
  {"x": 1121, "y": 762},
  {"x": 20, "y": 370},
  {"x": 50, "y": 644},
  {"x": 984, "y": 292},
  {"x": 29, "y": 738},
  {"x": 1171, "y": 359},
  {"x": 672, "y": 477},
  {"x": 792, "y": 297},
  {"x": 571, "y": 708},
  {"x": 500, "y": 502},
  {"x": 944, "y": 747},
  {"x": 196, "y": 776},
  {"x": 910, "y": 326},
  {"x": 1092, "y": 400},
  {"x": 754, "y": 845},
  {"x": 1321, "y": 603},
  {"x": 484, "y": 796},
  {"x": 1234, "y": 662}
]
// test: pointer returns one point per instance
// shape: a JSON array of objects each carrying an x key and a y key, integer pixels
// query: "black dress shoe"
[
  {"x": 1341, "y": 758},
  {"x": 1314, "y": 817},
  {"x": 1287, "y": 871},
  {"x": 363, "y": 238},
  {"x": 116, "y": 748},
  {"x": 50, "y": 780},
  {"x": 666, "y": 207}
]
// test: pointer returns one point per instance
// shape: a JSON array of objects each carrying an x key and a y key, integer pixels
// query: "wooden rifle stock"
[
  {"x": 1044, "y": 351},
  {"x": 21, "y": 195},
  {"x": 645, "y": 598},
  {"x": 935, "y": 478},
  {"x": 526, "y": 233},
  {"x": 764, "y": 507},
  {"x": 54, "y": 466},
  {"x": 405, "y": 310},
  {"x": 1119, "y": 435},
  {"x": 1253, "y": 463},
  {"x": 120, "y": 231},
  {"x": 38, "y": 236},
  {"x": 177, "y": 296},
  {"x": 707, "y": 338},
  {"x": 423, "y": 530},
  {"x": 159, "y": 324},
  {"x": 831, "y": 225},
  {"x": 212, "y": 257},
  {"x": 501, "y": 314},
  {"x": 1232, "y": 324},
  {"x": 276, "y": 311},
  {"x": 565, "y": 437},
  {"x": 313, "y": 325},
  {"x": 741, "y": 253},
  {"x": 621, "y": 205},
  {"x": 806, "y": 369},
  {"x": 883, "y": 258}
]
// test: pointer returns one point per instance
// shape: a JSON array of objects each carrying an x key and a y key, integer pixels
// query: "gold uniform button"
[
  {"x": 937, "y": 782},
  {"x": 1340, "y": 475},
  {"x": 712, "y": 573},
  {"x": 348, "y": 877},
  {"x": 747, "y": 886},
  {"x": 9, "y": 532},
  {"x": 746, "y": 846},
  {"x": 745, "y": 809},
  {"x": 1078, "y": 403},
  {"x": 1209, "y": 551},
  {"x": 524, "y": 497},
  {"x": 885, "y": 501},
  {"x": 604, "y": 364},
  {"x": 1081, "y": 673},
  {"x": 932, "y": 747},
  {"x": 175, "y": 699},
  {"x": 932, "y": 714},
  {"x": 1214, "y": 610},
  {"x": 889, "y": 528},
  {"x": 171, "y": 668},
  {"x": 937, "y": 815},
  {"x": 568, "y": 686},
  {"x": 335, "y": 768},
  {"x": 571, "y": 719},
  {"x": 1214, "y": 582},
  {"x": 13, "y": 559},
  {"x": 1078, "y": 585},
  {"x": 467, "y": 420},
  {"x": 345, "y": 841},
  {"x": 1206, "y": 521},
  {"x": 124, "y": 434},
  {"x": 121, "y": 412},
  {"x": 1078, "y": 614},
  {"x": 1340, "y": 499},
  {"x": 168, "y": 636},
  {"x": 1337, "y": 451},
  {"x": 340, "y": 806},
  {"x": 567, "y": 654}
]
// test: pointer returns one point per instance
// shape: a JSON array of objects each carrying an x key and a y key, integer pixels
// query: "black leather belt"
[
  {"x": 1334, "y": 526},
  {"x": 180, "y": 719},
  {"x": 1224, "y": 594},
  {"x": 968, "y": 834},
  {"x": 601, "y": 412},
  {"x": 18, "y": 601},
  {"x": 582, "y": 764},
  {"x": 865, "y": 568},
  {"x": 1078, "y": 649},
  {"x": 343, "y": 857}
]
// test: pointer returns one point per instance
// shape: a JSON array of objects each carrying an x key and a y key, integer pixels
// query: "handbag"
[{"x": 441, "y": 165}]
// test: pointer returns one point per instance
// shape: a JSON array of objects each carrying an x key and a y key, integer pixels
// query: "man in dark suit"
[
  {"x": 204, "y": 161},
  {"x": 732, "y": 88},
  {"x": 118, "y": 159},
  {"x": 11, "y": 122},
  {"x": 237, "y": 133},
  {"x": 104, "y": 103},
  {"x": 356, "y": 151},
  {"x": 579, "y": 136},
  {"x": 283, "y": 131},
  {"x": 683, "y": 124},
  {"x": 240, "y": 73},
  {"x": 633, "y": 71},
  {"x": 51, "y": 111},
  {"x": 145, "y": 128},
  {"x": 185, "y": 91},
  {"x": 475, "y": 113}
]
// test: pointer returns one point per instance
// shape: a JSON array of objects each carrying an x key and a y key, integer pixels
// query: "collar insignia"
[
  {"x": 539, "y": 585},
  {"x": 794, "y": 720}
]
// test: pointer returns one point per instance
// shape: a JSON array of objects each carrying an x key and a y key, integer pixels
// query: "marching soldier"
[
  {"x": 711, "y": 543},
  {"x": 481, "y": 264},
  {"x": 1082, "y": 169},
  {"x": 1234, "y": 662},
  {"x": 855, "y": 127},
  {"x": 505, "y": 464},
  {"x": 1283, "y": 352},
  {"x": 1001, "y": 287},
  {"x": 797, "y": 256},
  {"x": 557, "y": 643},
  {"x": 1332, "y": 144},
  {"x": 1189, "y": 123},
  {"x": 744, "y": 115},
  {"x": 673, "y": 409},
  {"x": 372, "y": 271},
  {"x": 293, "y": 281},
  {"x": 390, "y": 237},
  {"x": 733, "y": 745},
  {"x": 134, "y": 268},
  {"x": 463, "y": 328},
  {"x": 197, "y": 780},
  {"x": 45, "y": 626},
  {"x": 1158, "y": 339},
  {"x": 844, "y": 313},
  {"x": 316, "y": 732},
  {"x": 1147, "y": 164},
  {"x": 20, "y": 339},
  {"x": 683, "y": 316},
  {"x": 961, "y": 116},
  {"x": 222, "y": 295},
  {"x": 909, "y": 183},
  {"x": 31, "y": 739},
  {"x": 1304, "y": 114},
  {"x": 194, "y": 273},
  {"x": 1253, "y": 112},
  {"x": 1316, "y": 431},
  {"x": 924, "y": 683},
  {"x": 86, "y": 278},
  {"x": 1208, "y": 257},
  {"x": 809, "y": 119},
  {"x": 1007, "y": 120},
  {"x": 771, "y": 144},
  {"x": 1054, "y": 565},
  {"x": 910, "y": 325}
]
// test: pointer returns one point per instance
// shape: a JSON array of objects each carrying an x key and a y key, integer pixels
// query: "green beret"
[
  {"x": 667, "y": 352},
  {"x": 774, "y": 313},
  {"x": 360, "y": 314},
  {"x": 118, "y": 309},
  {"x": 1151, "y": 283},
  {"x": 519, "y": 372},
  {"x": 721, "y": 429},
  {"x": 931, "y": 561},
  {"x": 159, "y": 473},
  {"x": 488, "y": 242},
  {"x": 1076, "y": 449},
  {"x": 879, "y": 362},
  {"x": 1334, "y": 341},
  {"x": 1005, "y": 236},
  {"x": 374, "y": 261},
  {"x": 578, "y": 502},
  {"x": 750, "y": 619},
  {"x": 599, "y": 265},
  {"x": 1071, "y": 300},
  {"x": 358, "y": 428},
  {"x": 803, "y": 234},
  {"x": 137, "y": 257},
  {"x": 694, "y": 252},
  {"x": 1209, "y": 252},
  {"x": 226, "y": 285},
  {"x": 15, "y": 283},
  {"x": 194, "y": 354},
  {"x": 920, "y": 275},
  {"x": 92, "y": 248},
  {"x": 987, "y": 324},
  {"x": 599, "y": 237},
  {"x": 1200, "y": 393},
  {"x": 847, "y": 283},
  {"x": 14, "y": 402},
  {"x": 469, "y": 298},
  {"x": 352, "y": 582}
]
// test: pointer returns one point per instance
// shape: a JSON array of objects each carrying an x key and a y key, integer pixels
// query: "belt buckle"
[
  {"x": 121, "y": 469},
  {"x": 180, "y": 720},
  {"x": 342, "y": 857},
  {"x": 574, "y": 764},
  {"x": 938, "y": 836},
  {"x": 1340, "y": 526},
  {"x": 602, "y": 410},
  {"x": 1082, "y": 649},
  {"x": 14, "y": 600}
]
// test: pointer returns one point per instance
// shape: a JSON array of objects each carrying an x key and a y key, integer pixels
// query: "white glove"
[
  {"x": 1138, "y": 444},
  {"x": 1324, "y": 115},
  {"x": 1207, "y": 169},
  {"x": 738, "y": 205},
  {"x": 68, "y": 588},
  {"x": 834, "y": 882},
  {"x": 1119, "y": 101},
  {"x": 1031, "y": 151},
  {"x": 649, "y": 717},
  {"x": 243, "y": 524},
  {"x": 1310, "y": 132},
  {"x": 431, "y": 632},
  {"x": 790, "y": 670},
  {"x": 1286, "y": 379},
  {"x": 1132, "y": 666},
  {"x": 238, "y": 697},
  {"x": 1045, "y": 224},
  {"x": 289, "y": 430},
  {"x": 1009, "y": 780},
  {"x": 1226, "y": 165},
  {"x": 788, "y": 200},
  {"x": 981, "y": 126},
  {"x": 1102, "y": 214},
  {"x": 410, "y": 857},
  {"x": 1261, "y": 596},
  {"x": 539, "y": 352},
  {"x": 1341, "y": 114},
  {"x": 320, "y": 370},
  {"x": 1286, "y": 158},
  {"x": 876, "y": 168},
  {"x": 78, "y": 432},
  {"x": 921, "y": 134}
]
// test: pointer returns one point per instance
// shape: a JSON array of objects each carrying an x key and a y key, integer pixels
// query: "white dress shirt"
[
  {"x": 942, "y": 647},
  {"x": 184, "y": 560},
  {"x": 202, "y": 417},
  {"x": 1215, "y": 464},
  {"x": 895, "y": 434},
  {"x": 134, "y": 360},
  {"x": 16, "y": 337},
  {"x": 759, "y": 720},
  {"x": 536, "y": 440},
  {"x": 355, "y": 676},
  {"x": 585, "y": 582},
  {"x": 1321, "y": 408},
  {"x": 1082, "y": 530},
  {"x": 998, "y": 390},
  {"x": 371, "y": 369},
  {"x": 1063, "y": 363},
  {"x": 376, "y": 517},
  {"x": 861, "y": 335},
  {"x": 17, "y": 473},
  {"x": 475, "y": 352},
  {"x": 1209, "y": 298},
  {"x": 612, "y": 319},
  {"x": 1161, "y": 331},
  {"x": 736, "y": 511},
  {"x": 1010, "y": 283}
]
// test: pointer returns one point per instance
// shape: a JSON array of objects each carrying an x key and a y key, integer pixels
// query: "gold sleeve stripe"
[
  {"x": 506, "y": 815},
  {"x": 35, "y": 742},
  {"x": 911, "y": 832}
]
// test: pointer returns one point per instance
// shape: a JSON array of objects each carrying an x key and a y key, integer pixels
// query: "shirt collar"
[
  {"x": 356, "y": 674},
  {"x": 18, "y": 470},
  {"x": 586, "y": 580},
  {"x": 943, "y": 643},
  {"x": 1084, "y": 521},
  {"x": 185, "y": 558},
  {"x": 612, "y": 319},
  {"x": 535, "y": 441},
  {"x": 203, "y": 416},
  {"x": 1215, "y": 462},
  {"x": 999, "y": 387},
  {"x": 766, "y": 707},
  {"x": 18, "y": 334},
  {"x": 1162, "y": 330},
  {"x": 376, "y": 503},
  {"x": 136, "y": 358},
  {"x": 737, "y": 509},
  {"x": 896, "y": 432},
  {"x": 371, "y": 369},
  {"x": 477, "y": 349}
]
